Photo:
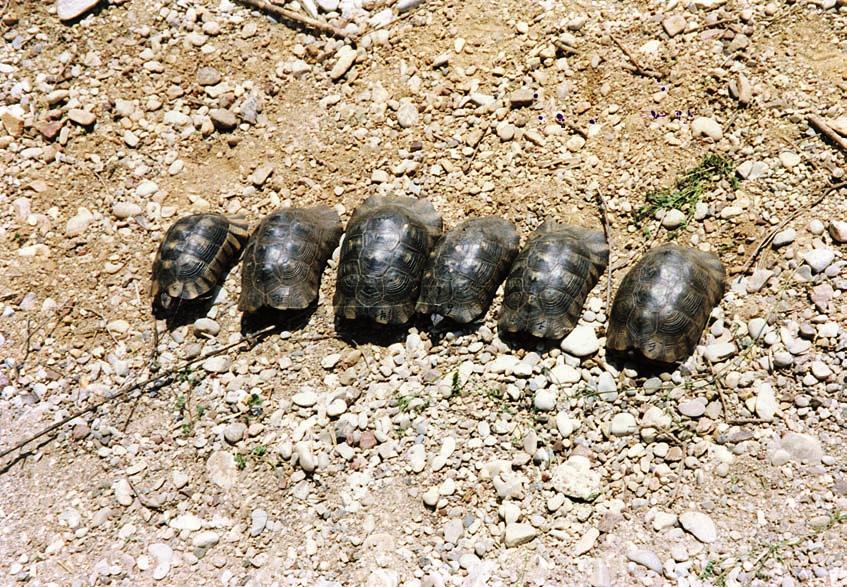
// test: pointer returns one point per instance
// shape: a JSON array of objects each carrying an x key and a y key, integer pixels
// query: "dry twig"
[
  {"x": 769, "y": 238},
  {"x": 301, "y": 19},
  {"x": 134, "y": 387},
  {"x": 821, "y": 126},
  {"x": 635, "y": 63},
  {"x": 604, "y": 218}
]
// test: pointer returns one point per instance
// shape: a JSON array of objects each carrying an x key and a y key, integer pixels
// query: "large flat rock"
[{"x": 71, "y": 9}]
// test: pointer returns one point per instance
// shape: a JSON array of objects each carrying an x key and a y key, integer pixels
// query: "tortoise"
[
  {"x": 550, "y": 280},
  {"x": 194, "y": 258},
  {"x": 285, "y": 258},
  {"x": 663, "y": 303},
  {"x": 466, "y": 268},
  {"x": 383, "y": 256}
]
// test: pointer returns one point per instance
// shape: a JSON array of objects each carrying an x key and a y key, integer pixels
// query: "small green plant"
[
  {"x": 200, "y": 410},
  {"x": 240, "y": 461},
  {"x": 456, "y": 385},
  {"x": 254, "y": 404},
  {"x": 187, "y": 428},
  {"x": 180, "y": 403},
  {"x": 259, "y": 451},
  {"x": 411, "y": 403},
  {"x": 688, "y": 189}
]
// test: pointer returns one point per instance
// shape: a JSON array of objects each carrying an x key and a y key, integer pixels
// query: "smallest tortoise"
[
  {"x": 285, "y": 258},
  {"x": 466, "y": 268},
  {"x": 194, "y": 258},
  {"x": 663, "y": 303}
]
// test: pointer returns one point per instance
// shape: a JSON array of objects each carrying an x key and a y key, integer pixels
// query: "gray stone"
[
  {"x": 454, "y": 530},
  {"x": 124, "y": 210},
  {"x": 407, "y": 114},
  {"x": 693, "y": 408},
  {"x": 838, "y": 231},
  {"x": 517, "y": 534},
  {"x": 346, "y": 57},
  {"x": 123, "y": 492},
  {"x": 718, "y": 351},
  {"x": 258, "y": 521},
  {"x": 219, "y": 364},
  {"x": 707, "y": 127},
  {"x": 585, "y": 542},
  {"x": 564, "y": 424},
  {"x": 581, "y": 342},
  {"x": 72, "y": 9},
  {"x": 646, "y": 558},
  {"x": 784, "y": 238},
  {"x": 766, "y": 404},
  {"x": 673, "y": 219},
  {"x": 700, "y": 526},
  {"x": 575, "y": 478},
  {"x": 223, "y": 119},
  {"x": 163, "y": 555},
  {"x": 208, "y": 76},
  {"x": 221, "y": 469},
  {"x": 305, "y": 457},
  {"x": 623, "y": 424},
  {"x": 819, "y": 259},
  {"x": 752, "y": 169},
  {"x": 234, "y": 432},
  {"x": 522, "y": 97},
  {"x": 789, "y": 159},
  {"x": 305, "y": 399},
  {"x": 674, "y": 24},
  {"x": 206, "y": 326},
  {"x": 81, "y": 117},
  {"x": 205, "y": 540},
  {"x": 545, "y": 400},
  {"x": 801, "y": 448}
]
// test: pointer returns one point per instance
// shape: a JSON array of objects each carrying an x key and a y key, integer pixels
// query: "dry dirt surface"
[{"x": 432, "y": 458}]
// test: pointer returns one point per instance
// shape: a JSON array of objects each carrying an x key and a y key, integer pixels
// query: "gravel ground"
[{"x": 423, "y": 457}]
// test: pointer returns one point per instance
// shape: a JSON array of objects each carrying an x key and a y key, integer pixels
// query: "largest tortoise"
[
  {"x": 663, "y": 303},
  {"x": 385, "y": 250}
]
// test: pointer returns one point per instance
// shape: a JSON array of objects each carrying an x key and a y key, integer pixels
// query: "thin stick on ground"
[
  {"x": 635, "y": 63},
  {"x": 134, "y": 387},
  {"x": 770, "y": 236},
  {"x": 30, "y": 332},
  {"x": 821, "y": 126},
  {"x": 604, "y": 218},
  {"x": 301, "y": 19}
]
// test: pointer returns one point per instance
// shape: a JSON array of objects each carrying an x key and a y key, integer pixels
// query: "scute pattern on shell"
[
  {"x": 285, "y": 258},
  {"x": 383, "y": 256},
  {"x": 664, "y": 302},
  {"x": 195, "y": 256},
  {"x": 466, "y": 268},
  {"x": 550, "y": 280}
]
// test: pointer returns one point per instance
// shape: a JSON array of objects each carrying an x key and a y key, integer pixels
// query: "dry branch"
[
  {"x": 158, "y": 379},
  {"x": 769, "y": 238},
  {"x": 645, "y": 71},
  {"x": 821, "y": 126},
  {"x": 301, "y": 19}
]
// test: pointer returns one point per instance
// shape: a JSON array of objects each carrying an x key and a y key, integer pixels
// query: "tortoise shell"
[
  {"x": 385, "y": 250},
  {"x": 466, "y": 268},
  {"x": 664, "y": 302},
  {"x": 550, "y": 280},
  {"x": 285, "y": 258},
  {"x": 194, "y": 258}
]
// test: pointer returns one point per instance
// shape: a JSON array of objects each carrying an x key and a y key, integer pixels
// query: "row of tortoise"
[{"x": 394, "y": 262}]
